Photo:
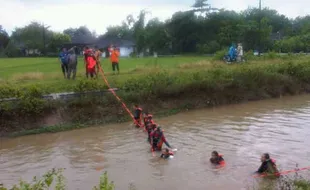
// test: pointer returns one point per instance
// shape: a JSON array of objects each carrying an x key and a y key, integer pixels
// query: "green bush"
[
  {"x": 48, "y": 179},
  {"x": 45, "y": 182},
  {"x": 219, "y": 55},
  {"x": 55, "y": 177},
  {"x": 85, "y": 85}
]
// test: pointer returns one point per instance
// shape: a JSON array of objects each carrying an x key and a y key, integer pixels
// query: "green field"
[{"x": 46, "y": 72}]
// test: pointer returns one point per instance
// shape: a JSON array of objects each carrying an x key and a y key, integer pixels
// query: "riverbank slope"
[{"x": 158, "y": 91}]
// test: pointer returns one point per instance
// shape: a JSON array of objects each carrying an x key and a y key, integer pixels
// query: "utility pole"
[
  {"x": 44, "y": 38},
  {"x": 259, "y": 27}
]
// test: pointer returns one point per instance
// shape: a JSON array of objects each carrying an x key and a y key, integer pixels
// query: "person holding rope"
[
  {"x": 268, "y": 166},
  {"x": 138, "y": 116},
  {"x": 90, "y": 62},
  {"x": 98, "y": 55},
  {"x": 157, "y": 139}
]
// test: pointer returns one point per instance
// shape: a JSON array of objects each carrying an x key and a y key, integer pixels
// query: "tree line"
[{"x": 203, "y": 29}]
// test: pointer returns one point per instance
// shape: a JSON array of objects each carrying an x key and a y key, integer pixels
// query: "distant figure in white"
[{"x": 240, "y": 53}]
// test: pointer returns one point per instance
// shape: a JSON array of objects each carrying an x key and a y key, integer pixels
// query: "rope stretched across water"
[
  {"x": 282, "y": 173},
  {"x": 122, "y": 102}
]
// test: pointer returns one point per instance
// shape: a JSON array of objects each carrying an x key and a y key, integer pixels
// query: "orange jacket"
[{"x": 114, "y": 56}]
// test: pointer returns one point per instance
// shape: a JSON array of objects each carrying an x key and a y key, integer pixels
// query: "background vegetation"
[{"x": 202, "y": 29}]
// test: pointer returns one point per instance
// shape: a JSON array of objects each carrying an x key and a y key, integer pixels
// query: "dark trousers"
[
  {"x": 71, "y": 69},
  {"x": 115, "y": 66},
  {"x": 64, "y": 68}
]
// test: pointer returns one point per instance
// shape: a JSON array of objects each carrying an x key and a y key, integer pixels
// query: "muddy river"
[{"x": 240, "y": 132}]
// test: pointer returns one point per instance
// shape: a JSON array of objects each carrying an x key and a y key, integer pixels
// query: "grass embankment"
[
  {"x": 56, "y": 178},
  {"x": 187, "y": 85}
]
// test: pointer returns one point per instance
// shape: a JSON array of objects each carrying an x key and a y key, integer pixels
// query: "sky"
[{"x": 97, "y": 15}]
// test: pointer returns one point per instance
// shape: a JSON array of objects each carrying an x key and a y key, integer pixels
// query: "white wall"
[{"x": 126, "y": 51}]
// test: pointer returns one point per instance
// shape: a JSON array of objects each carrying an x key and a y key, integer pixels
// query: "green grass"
[{"x": 46, "y": 72}]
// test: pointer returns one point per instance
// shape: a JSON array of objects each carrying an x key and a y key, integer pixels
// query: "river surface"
[{"x": 240, "y": 132}]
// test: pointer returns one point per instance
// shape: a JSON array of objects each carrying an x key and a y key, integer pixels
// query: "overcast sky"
[{"x": 98, "y": 14}]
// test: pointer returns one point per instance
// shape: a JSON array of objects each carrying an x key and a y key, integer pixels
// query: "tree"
[
  {"x": 202, "y": 6},
  {"x": 139, "y": 31},
  {"x": 80, "y": 35},
  {"x": 31, "y": 36},
  {"x": 4, "y": 38},
  {"x": 157, "y": 38},
  {"x": 57, "y": 40}
]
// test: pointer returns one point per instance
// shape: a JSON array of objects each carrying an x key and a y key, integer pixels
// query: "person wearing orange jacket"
[
  {"x": 90, "y": 62},
  {"x": 217, "y": 159},
  {"x": 114, "y": 57}
]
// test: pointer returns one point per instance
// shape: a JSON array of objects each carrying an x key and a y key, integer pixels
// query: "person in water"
[
  {"x": 166, "y": 153},
  {"x": 217, "y": 159},
  {"x": 138, "y": 115},
  {"x": 268, "y": 165},
  {"x": 147, "y": 119},
  {"x": 157, "y": 139},
  {"x": 150, "y": 128}
]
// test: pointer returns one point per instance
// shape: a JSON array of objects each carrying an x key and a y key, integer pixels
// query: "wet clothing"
[
  {"x": 268, "y": 166},
  {"x": 138, "y": 116},
  {"x": 219, "y": 161},
  {"x": 166, "y": 156},
  {"x": 72, "y": 65},
  {"x": 157, "y": 140},
  {"x": 149, "y": 127}
]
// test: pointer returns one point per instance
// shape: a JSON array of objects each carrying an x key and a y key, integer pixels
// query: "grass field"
[{"x": 46, "y": 72}]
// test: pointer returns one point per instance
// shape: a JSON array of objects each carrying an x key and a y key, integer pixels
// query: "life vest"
[{"x": 219, "y": 161}]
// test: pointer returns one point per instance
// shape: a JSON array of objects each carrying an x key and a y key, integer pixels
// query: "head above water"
[
  {"x": 265, "y": 157},
  {"x": 214, "y": 154}
]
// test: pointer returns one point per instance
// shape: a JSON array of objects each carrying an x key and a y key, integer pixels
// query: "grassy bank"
[
  {"x": 160, "y": 91},
  {"x": 46, "y": 72},
  {"x": 55, "y": 177}
]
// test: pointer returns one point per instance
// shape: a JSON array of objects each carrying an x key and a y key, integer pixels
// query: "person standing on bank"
[
  {"x": 63, "y": 58},
  {"x": 72, "y": 65},
  {"x": 239, "y": 53},
  {"x": 98, "y": 55},
  {"x": 114, "y": 57}
]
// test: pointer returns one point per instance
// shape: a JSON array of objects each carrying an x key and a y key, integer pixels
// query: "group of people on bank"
[
  {"x": 156, "y": 138},
  {"x": 92, "y": 61}
]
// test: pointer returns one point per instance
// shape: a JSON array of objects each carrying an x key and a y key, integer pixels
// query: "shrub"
[
  {"x": 45, "y": 182},
  {"x": 219, "y": 55}
]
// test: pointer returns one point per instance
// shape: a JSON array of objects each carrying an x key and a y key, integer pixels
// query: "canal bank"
[{"x": 160, "y": 93}]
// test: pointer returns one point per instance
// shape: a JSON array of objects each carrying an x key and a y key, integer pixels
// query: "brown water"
[{"x": 241, "y": 132}]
